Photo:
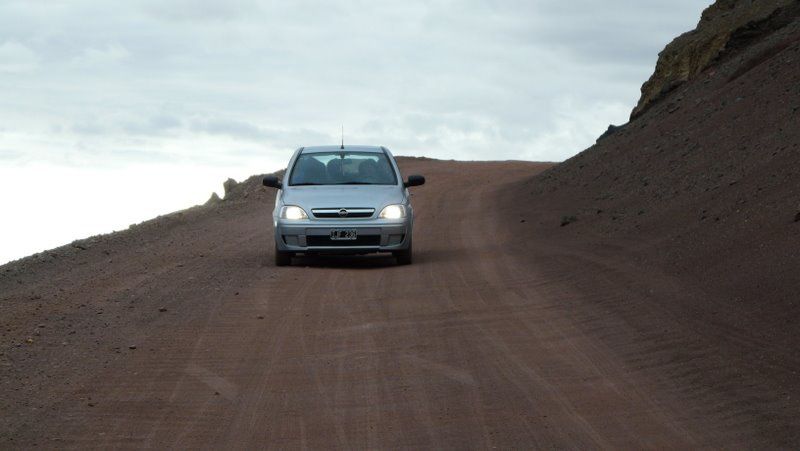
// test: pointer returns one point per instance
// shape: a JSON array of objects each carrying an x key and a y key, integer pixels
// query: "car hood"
[{"x": 345, "y": 196}]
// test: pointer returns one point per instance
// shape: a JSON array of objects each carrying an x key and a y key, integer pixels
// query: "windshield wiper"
[{"x": 354, "y": 182}]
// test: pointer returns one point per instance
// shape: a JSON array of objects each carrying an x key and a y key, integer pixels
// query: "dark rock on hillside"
[
  {"x": 240, "y": 191},
  {"x": 214, "y": 199},
  {"x": 725, "y": 26},
  {"x": 229, "y": 185},
  {"x": 610, "y": 131}
]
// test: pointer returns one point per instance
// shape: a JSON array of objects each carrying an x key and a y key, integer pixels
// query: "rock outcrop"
[
  {"x": 724, "y": 26},
  {"x": 214, "y": 199},
  {"x": 229, "y": 186}
]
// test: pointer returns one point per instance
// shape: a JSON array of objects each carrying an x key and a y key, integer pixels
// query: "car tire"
[
  {"x": 282, "y": 258},
  {"x": 403, "y": 257}
]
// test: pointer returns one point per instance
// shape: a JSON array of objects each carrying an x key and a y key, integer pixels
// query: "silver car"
[{"x": 342, "y": 200}]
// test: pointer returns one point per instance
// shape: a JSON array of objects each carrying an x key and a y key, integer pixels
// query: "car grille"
[
  {"x": 343, "y": 213},
  {"x": 362, "y": 240}
]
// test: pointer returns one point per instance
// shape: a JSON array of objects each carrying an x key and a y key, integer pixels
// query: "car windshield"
[{"x": 343, "y": 168}]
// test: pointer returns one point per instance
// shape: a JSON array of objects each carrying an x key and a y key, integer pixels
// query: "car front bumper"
[{"x": 313, "y": 236}]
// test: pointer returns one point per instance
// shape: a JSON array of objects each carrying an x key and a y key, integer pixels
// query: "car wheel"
[
  {"x": 403, "y": 257},
  {"x": 282, "y": 258}
]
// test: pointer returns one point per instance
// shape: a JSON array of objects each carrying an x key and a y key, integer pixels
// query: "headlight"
[
  {"x": 293, "y": 212},
  {"x": 393, "y": 212}
]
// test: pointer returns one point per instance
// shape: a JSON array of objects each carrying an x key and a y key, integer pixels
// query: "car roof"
[{"x": 347, "y": 148}]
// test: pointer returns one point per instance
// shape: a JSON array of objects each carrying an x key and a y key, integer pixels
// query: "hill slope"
[
  {"x": 705, "y": 182},
  {"x": 702, "y": 185}
]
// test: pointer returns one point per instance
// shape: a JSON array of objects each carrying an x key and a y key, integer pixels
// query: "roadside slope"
[{"x": 702, "y": 186}]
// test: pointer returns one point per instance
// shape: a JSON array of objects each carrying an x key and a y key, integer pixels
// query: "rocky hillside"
[
  {"x": 703, "y": 184},
  {"x": 725, "y": 27}
]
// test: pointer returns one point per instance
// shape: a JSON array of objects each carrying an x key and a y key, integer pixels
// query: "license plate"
[{"x": 344, "y": 234}]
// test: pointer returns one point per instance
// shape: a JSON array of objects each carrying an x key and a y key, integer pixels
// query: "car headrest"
[{"x": 334, "y": 169}]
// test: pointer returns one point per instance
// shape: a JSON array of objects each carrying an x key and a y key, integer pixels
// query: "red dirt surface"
[{"x": 498, "y": 335}]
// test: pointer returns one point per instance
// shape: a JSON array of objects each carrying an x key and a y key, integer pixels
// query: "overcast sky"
[{"x": 158, "y": 101}]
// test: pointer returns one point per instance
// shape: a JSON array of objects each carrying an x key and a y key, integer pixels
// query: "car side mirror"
[
  {"x": 414, "y": 180},
  {"x": 272, "y": 182}
]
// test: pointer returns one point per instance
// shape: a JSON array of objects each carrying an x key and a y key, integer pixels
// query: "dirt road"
[{"x": 182, "y": 334}]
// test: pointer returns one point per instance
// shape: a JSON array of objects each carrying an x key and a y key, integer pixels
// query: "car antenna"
[{"x": 342, "y": 147}]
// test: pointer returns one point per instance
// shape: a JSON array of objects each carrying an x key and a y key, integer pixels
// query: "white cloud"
[
  {"x": 16, "y": 58},
  {"x": 284, "y": 74},
  {"x": 92, "y": 58}
]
